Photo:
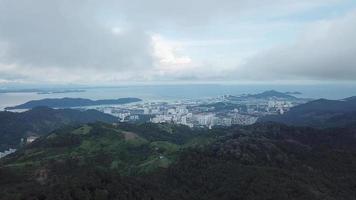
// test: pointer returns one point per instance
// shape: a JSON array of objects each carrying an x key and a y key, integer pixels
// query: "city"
[{"x": 220, "y": 111}]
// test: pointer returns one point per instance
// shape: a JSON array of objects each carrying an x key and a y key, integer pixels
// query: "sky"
[{"x": 177, "y": 41}]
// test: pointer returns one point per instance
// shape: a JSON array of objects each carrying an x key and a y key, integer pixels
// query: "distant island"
[
  {"x": 60, "y": 91},
  {"x": 41, "y": 91},
  {"x": 20, "y": 90},
  {"x": 270, "y": 94},
  {"x": 72, "y": 102}
]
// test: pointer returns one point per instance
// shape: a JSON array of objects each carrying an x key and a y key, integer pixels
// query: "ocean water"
[{"x": 178, "y": 92}]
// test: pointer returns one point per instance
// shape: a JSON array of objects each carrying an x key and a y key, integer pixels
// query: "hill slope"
[
  {"x": 159, "y": 161},
  {"x": 319, "y": 113},
  {"x": 40, "y": 121},
  {"x": 270, "y": 94}
]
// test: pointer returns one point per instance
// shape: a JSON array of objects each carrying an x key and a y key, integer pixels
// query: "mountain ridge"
[
  {"x": 319, "y": 113},
  {"x": 271, "y": 94},
  {"x": 268, "y": 94},
  {"x": 67, "y": 102}
]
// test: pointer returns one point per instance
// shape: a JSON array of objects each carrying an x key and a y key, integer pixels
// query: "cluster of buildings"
[
  {"x": 205, "y": 119},
  {"x": 220, "y": 111},
  {"x": 279, "y": 106},
  {"x": 195, "y": 113}
]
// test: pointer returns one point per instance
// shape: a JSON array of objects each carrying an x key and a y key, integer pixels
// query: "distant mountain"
[
  {"x": 72, "y": 102},
  {"x": 40, "y": 91},
  {"x": 270, "y": 94},
  {"x": 40, "y": 121},
  {"x": 319, "y": 113},
  {"x": 171, "y": 162},
  {"x": 61, "y": 91},
  {"x": 353, "y": 98}
]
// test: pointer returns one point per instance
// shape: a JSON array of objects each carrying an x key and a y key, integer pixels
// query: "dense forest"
[{"x": 165, "y": 161}]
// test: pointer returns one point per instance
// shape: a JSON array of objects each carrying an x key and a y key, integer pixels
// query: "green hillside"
[
  {"x": 165, "y": 161},
  {"x": 41, "y": 121},
  {"x": 321, "y": 113}
]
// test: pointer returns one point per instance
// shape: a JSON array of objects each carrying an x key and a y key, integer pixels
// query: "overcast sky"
[{"x": 121, "y": 41}]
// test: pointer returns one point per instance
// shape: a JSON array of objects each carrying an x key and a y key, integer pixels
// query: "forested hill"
[
  {"x": 270, "y": 94},
  {"x": 320, "y": 113},
  {"x": 163, "y": 161},
  {"x": 40, "y": 121},
  {"x": 72, "y": 102}
]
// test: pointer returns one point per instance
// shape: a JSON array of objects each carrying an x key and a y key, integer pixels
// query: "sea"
[{"x": 185, "y": 91}]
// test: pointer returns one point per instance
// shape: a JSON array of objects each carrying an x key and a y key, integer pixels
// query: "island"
[
  {"x": 72, "y": 102},
  {"x": 60, "y": 91},
  {"x": 270, "y": 94}
]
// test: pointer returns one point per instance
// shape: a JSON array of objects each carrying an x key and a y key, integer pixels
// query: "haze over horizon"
[{"x": 230, "y": 41}]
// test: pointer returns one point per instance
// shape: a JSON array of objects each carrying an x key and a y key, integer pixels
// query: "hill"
[
  {"x": 72, "y": 102},
  {"x": 270, "y": 94},
  {"x": 162, "y": 161},
  {"x": 42, "y": 120},
  {"x": 319, "y": 113}
]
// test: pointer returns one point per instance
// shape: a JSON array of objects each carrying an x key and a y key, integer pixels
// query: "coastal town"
[{"x": 220, "y": 111}]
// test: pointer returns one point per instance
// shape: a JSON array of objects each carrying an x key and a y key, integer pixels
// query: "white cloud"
[{"x": 168, "y": 54}]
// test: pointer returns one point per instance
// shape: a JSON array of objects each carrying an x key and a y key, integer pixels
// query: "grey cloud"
[
  {"x": 67, "y": 34},
  {"x": 325, "y": 52},
  {"x": 10, "y": 76},
  {"x": 62, "y": 33}
]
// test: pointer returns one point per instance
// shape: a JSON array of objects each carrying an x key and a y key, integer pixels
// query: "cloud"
[
  {"x": 190, "y": 13},
  {"x": 168, "y": 54},
  {"x": 324, "y": 51},
  {"x": 66, "y": 34},
  {"x": 87, "y": 41}
]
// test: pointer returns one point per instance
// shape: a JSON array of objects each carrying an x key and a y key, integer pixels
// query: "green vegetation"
[
  {"x": 165, "y": 147},
  {"x": 41, "y": 121},
  {"x": 199, "y": 142},
  {"x": 321, "y": 113},
  {"x": 165, "y": 161},
  {"x": 83, "y": 130},
  {"x": 106, "y": 146}
]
